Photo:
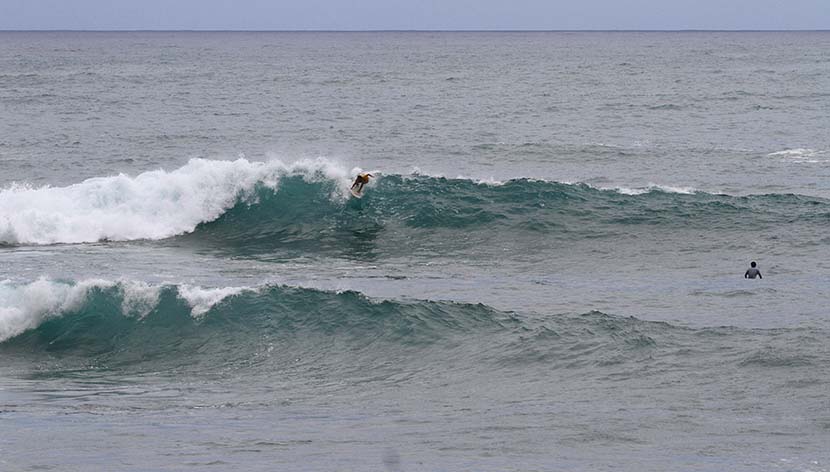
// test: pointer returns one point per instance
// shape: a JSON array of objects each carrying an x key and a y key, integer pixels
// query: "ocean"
[{"x": 546, "y": 273}]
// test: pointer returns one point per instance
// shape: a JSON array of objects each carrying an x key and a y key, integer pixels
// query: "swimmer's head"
[{"x": 752, "y": 264}]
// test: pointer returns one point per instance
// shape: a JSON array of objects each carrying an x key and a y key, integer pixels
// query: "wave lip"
[{"x": 26, "y": 307}]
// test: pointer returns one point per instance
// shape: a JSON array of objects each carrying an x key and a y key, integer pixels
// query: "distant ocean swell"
[
  {"x": 138, "y": 326},
  {"x": 238, "y": 201}
]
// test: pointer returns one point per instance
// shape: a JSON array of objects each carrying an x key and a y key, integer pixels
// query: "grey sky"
[{"x": 414, "y": 14}]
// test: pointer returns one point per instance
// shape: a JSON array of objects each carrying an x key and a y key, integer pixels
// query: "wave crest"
[
  {"x": 143, "y": 326},
  {"x": 152, "y": 205},
  {"x": 26, "y": 307},
  {"x": 239, "y": 203}
]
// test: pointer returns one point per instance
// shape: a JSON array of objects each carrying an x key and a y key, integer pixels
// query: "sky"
[{"x": 413, "y": 14}]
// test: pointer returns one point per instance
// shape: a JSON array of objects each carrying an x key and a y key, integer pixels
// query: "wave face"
[
  {"x": 432, "y": 215},
  {"x": 94, "y": 315},
  {"x": 133, "y": 325},
  {"x": 246, "y": 203}
]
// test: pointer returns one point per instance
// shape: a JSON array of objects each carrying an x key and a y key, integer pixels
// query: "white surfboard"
[{"x": 355, "y": 193}]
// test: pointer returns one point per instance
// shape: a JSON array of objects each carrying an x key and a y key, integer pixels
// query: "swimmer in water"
[
  {"x": 360, "y": 181},
  {"x": 752, "y": 272}
]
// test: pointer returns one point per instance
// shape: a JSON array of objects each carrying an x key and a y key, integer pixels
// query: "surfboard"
[{"x": 355, "y": 193}]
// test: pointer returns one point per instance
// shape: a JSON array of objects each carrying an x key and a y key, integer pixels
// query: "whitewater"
[
  {"x": 152, "y": 205},
  {"x": 546, "y": 272}
]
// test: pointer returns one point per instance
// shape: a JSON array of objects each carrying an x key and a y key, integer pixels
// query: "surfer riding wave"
[{"x": 360, "y": 181}]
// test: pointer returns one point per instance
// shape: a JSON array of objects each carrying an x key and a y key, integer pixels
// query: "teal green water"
[{"x": 260, "y": 331}]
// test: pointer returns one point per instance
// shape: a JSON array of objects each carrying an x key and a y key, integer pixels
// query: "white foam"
[
  {"x": 153, "y": 205},
  {"x": 796, "y": 153},
  {"x": 653, "y": 188},
  {"x": 802, "y": 155},
  {"x": 202, "y": 299},
  {"x": 26, "y": 306},
  {"x": 139, "y": 298},
  {"x": 490, "y": 182}
]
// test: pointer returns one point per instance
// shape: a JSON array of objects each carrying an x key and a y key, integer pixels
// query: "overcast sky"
[{"x": 413, "y": 14}]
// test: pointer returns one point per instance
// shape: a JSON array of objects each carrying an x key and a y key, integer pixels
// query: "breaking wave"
[
  {"x": 241, "y": 202},
  {"x": 152, "y": 205},
  {"x": 129, "y": 324}
]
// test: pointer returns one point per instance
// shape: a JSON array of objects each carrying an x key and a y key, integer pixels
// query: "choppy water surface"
[{"x": 546, "y": 274}]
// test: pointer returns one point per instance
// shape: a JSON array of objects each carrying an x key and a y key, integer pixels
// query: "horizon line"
[{"x": 686, "y": 30}]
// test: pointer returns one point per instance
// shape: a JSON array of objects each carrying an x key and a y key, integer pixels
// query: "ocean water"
[{"x": 546, "y": 274}]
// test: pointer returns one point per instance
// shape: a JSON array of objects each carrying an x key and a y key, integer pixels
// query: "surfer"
[
  {"x": 360, "y": 181},
  {"x": 752, "y": 272}
]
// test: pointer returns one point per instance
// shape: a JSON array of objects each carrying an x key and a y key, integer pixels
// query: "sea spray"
[{"x": 153, "y": 205}]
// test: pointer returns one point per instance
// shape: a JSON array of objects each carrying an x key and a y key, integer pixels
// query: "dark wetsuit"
[{"x": 752, "y": 272}]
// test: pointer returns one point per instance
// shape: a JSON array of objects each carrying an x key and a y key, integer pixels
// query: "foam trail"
[
  {"x": 801, "y": 155},
  {"x": 152, "y": 205},
  {"x": 654, "y": 188},
  {"x": 796, "y": 153}
]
